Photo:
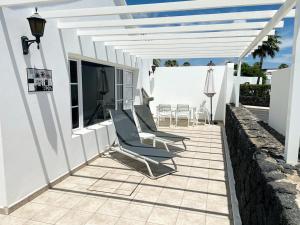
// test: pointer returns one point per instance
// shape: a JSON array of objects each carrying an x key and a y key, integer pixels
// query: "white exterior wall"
[
  {"x": 184, "y": 85},
  {"x": 279, "y": 100},
  {"x": 250, "y": 80},
  {"x": 37, "y": 139}
]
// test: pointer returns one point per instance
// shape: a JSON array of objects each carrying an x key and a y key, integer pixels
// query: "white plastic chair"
[
  {"x": 202, "y": 113},
  {"x": 164, "y": 111},
  {"x": 183, "y": 112}
]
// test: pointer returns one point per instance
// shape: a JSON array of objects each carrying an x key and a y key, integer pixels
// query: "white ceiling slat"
[
  {"x": 158, "y": 7},
  {"x": 174, "y": 20},
  {"x": 202, "y": 41},
  {"x": 184, "y": 46},
  {"x": 22, "y": 2},
  {"x": 172, "y": 29},
  {"x": 209, "y": 52},
  {"x": 188, "y": 56},
  {"x": 246, "y": 33},
  {"x": 177, "y": 48},
  {"x": 190, "y": 52},
  {"x": 284, "y": 10}
]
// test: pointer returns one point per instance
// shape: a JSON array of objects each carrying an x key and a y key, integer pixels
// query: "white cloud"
[
  {"x": 286, "y": 43},
  {"x": 282, "y": 58}
]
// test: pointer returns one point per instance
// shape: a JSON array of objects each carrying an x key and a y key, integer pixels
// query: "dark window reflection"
[
  {"x": 98, "y": 90},
  {"x": 73, "y": 71},
  {"x": 74, "y": 95},
  {"x": 75, "y": 117}
]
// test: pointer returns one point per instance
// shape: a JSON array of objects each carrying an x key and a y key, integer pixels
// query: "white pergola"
[{"x": 217, "y": 35}]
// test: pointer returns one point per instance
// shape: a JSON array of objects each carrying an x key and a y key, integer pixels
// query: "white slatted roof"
[{"x": 226, "y": 34}]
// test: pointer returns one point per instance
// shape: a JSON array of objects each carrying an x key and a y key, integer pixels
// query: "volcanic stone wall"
[{"x": 266, "y": 194}]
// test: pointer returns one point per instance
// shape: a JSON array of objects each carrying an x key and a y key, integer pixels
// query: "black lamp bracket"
[{"x": 26, "y": 44}]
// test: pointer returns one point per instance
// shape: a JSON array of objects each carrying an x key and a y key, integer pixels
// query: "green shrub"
[{"x": 253, "y": 94}]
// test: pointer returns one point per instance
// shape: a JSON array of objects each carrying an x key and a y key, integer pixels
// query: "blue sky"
[{"x": 286, "y": 33}]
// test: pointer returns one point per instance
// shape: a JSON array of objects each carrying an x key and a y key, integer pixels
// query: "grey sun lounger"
[
  {"x": 147, "y": 125},
  {"x": 129, "y": 143}
]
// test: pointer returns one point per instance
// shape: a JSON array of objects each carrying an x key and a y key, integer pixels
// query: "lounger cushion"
[
  {"x": 169, "y": 137},
  {"x": 148, "y": 151}
]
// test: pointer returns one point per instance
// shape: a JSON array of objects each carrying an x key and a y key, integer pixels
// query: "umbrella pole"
[{"x": 211, "y": 113}]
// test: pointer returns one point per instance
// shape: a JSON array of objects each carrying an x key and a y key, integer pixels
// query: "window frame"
[{"x": 79, "y": 58}]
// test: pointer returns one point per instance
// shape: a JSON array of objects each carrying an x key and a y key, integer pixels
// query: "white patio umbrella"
[{"x": 209, "y": 88}]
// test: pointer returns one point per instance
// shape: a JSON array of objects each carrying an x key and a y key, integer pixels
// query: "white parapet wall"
[
  {"x": 250, "y": 80},
  {"x": 184, "y": 85},
  {"x": 279, "y": 100},
  {"x": 37, "y": 144}
]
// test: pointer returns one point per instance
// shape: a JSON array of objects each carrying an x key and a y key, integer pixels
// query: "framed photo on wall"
[{"x": 39, "y": 80}]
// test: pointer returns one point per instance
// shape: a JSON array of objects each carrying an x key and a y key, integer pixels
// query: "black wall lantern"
[
  {"x": 153, "y": 67},
  {"x": 37, "y": 27}
]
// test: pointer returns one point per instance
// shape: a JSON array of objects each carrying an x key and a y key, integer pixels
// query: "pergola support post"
[
  {"x": 237, "y": 84},
  {"x": 293, "y": 118}
]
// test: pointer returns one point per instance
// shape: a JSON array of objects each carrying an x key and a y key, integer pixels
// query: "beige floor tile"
[
  {"x": 143, "y": 197},
  {"x": 68, "y": 201},
  {"x": 75, "y": 218},
  {"x": 113, "y": 207},
  {"x": 219, "y": 208},
  {"x": 151, "y": 190},
  {"x": 217, "y": 187},
  {"x": 10, "y": 220},
  {"x": 129, "y": 222},
  {"x": 163, "y": 215},
  {"x": 222, "y": 200},
  {"x": 196, "y": 196},
  {"x": 193, "y": 205},
  {"x": 137, "y": 212},
  {"x": 186, "y": 218},
  {"x": 211, "y": 220},
  {"x": 48, "y": 197},
  {"x": 177, "y": 182},
  {"x": 202, "y": 164},
  {"x": 81, "y": 180},
  {"x": 199, "y": 172},
  {"x": 216, "y": 165},
  {"x": 197, "y": 185},
  {"x": 170, "y": 197},
  {"x": 28, "y": 210},
  {"x": 49, "y": 214},
  {"x": 31, "y": 222},
  {"x": 101, "y": 219},
  {"x": 216, "y": 175},
  {"x": 152, "y": 224},
  {"x": 90, "y": 204}
]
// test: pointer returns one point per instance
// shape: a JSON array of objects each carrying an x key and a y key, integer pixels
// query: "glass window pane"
[
  {"x": 119, "y": 92},
  {"x": 128, "y": 93},
  {"x": 120, "y": 105},
  {"x": 74, "y": 95},
  {"x": 75, "y": 117},
  {"x": 128, "y": 78},
  {"x": 98, "y": 92},
  {"x": 119, "y": 76},
  {"x": 73, "y": 71}
]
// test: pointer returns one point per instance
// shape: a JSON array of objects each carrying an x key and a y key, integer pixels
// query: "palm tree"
[
  {"x": 171, "y": 63},
  {"x": 186, "y": 64},
  {"x": 156, "y": 62},
  {"x": 268, "y": 48}
]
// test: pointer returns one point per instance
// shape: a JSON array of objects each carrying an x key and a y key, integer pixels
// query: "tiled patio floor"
[{"x": 107, "y": 192}]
